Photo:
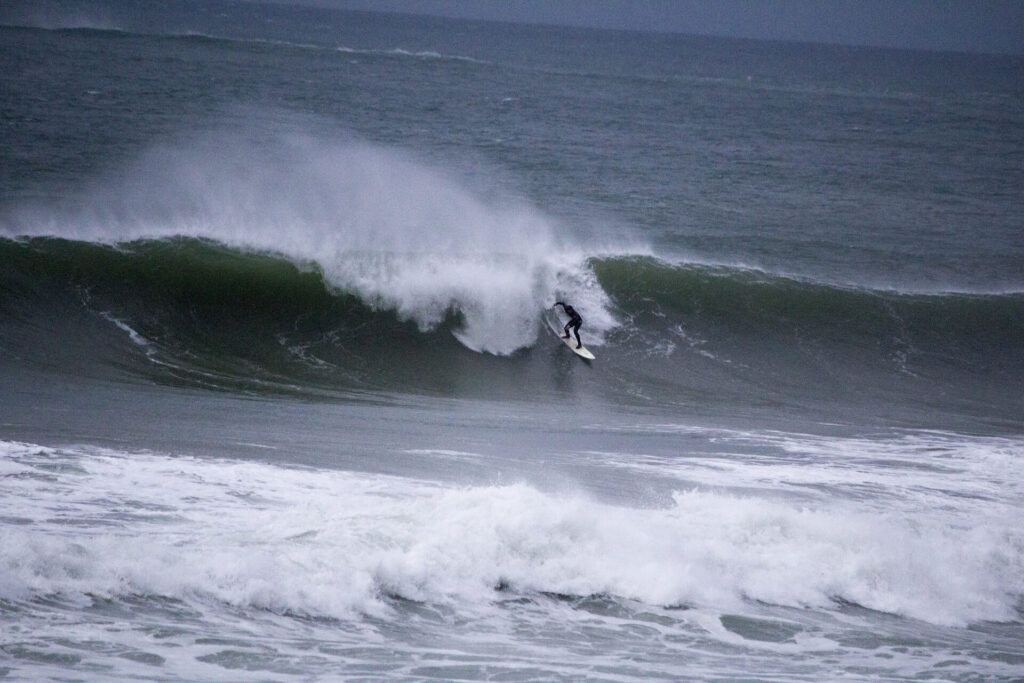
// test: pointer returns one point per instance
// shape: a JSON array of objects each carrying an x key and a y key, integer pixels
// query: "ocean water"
[{"x": 277, "y": 400}]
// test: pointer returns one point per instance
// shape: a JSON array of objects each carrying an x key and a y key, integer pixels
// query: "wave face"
[
  {"x": 790, "y": 342},
  {"x": 761, "y": 305},
  {"x": 201, "y": 312}
]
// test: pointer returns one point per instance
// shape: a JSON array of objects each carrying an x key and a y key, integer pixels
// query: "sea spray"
[{"x": 376, "y": 221}]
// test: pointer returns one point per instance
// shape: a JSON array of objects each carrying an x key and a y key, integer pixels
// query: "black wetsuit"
[{"x": 574, "y": 322}]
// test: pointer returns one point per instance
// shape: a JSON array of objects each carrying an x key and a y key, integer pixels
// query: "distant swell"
[{"x": 79, "y": 25}]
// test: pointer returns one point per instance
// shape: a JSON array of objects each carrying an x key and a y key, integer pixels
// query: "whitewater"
[
  {"x": 277, "y": 402},
  {"x": 435, "y": 247},
  {"x": 126, "y": 538}
]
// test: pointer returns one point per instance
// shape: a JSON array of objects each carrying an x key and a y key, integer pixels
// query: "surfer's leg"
[
  {"x": 576, "y": 331},
  {"x": 566, "y": 330}
]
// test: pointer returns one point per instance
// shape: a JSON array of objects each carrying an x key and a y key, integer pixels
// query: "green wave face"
[{"x": 197, "y": 313}]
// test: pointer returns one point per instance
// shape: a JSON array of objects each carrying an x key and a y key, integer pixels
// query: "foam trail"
[
  {"x": 402, "y": 234},
  {"x": 336, "y": 543}
]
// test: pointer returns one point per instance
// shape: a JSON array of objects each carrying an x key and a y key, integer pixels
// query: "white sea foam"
[
  {"x": 419, "y": 54},
  {"x": 326, "y": 543},
  {"x": 401, "y": 233},
  {"x": 136, "y": 338}
]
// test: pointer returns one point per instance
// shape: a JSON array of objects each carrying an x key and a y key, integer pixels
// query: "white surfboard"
[{"x": 555, "y": 325}]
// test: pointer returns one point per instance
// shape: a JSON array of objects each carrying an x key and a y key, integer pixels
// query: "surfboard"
[{"x": 555, "y": 325}]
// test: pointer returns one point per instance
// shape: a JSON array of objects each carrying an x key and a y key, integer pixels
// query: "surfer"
[{"x": 574, "y": 322}]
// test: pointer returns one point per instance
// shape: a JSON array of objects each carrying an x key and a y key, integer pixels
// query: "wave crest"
[{"x": 399, "y": 233}]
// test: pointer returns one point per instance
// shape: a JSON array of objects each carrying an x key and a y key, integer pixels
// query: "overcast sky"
[{"x": 962, "y": 25}]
